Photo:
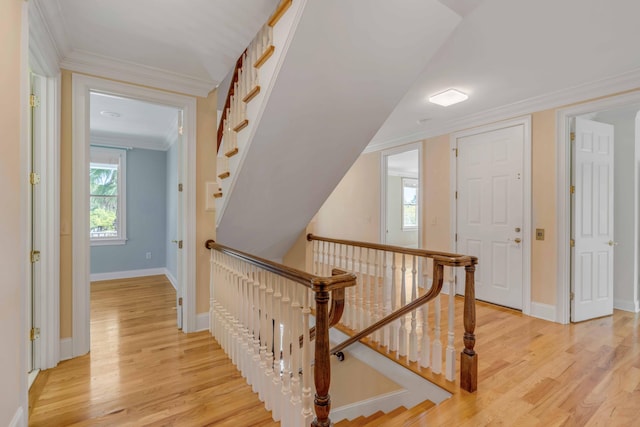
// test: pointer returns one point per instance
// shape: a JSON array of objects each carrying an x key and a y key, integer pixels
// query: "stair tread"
[
  {"x": 412, "y": 414},
  {"x": 382, "y": 420}
]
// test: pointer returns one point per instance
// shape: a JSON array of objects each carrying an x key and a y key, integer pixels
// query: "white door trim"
[
  {"x": 82, "y": 84},
  {"x": 383, "y": 188},
  {"x": 525, "y": 121},
  {"x": 563, "y": 156}
]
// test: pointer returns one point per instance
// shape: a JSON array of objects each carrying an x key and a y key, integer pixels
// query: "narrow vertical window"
[
  {"x": 107, "y": 215},
  {"x": 409, "y": 203}
]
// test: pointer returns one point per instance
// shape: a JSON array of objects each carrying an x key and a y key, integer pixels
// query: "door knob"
[
  {"x": 612, "y": 243},
  {"x": 517, "y": 240}
]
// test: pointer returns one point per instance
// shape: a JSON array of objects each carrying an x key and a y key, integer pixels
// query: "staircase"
[
  {"x": 329, "y": 74},
  {"x": 398, "y": 417}
]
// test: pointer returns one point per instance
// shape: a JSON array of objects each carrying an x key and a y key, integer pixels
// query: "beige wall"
[
  {"x": 205, "y": 221},
  {"x": 353, "y": 210},
  {"x": 354, "y": 213},
  {"x": 13, "y": 253}
]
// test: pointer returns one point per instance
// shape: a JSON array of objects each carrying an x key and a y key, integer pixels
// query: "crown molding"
[
  {"x": 599, "y": 88},
  {"x": 44, "y": 56},
  {"x": 110, "y": 139},
  {"x": 117, "y": 69}
]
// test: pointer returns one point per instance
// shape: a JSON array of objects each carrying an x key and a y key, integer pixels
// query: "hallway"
[{"x": 142, "y": 370}]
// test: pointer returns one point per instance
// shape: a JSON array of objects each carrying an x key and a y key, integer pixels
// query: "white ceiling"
[
  {"x": 503, "y": 52},
  {"x": 406, "y": 163},
  {"x": 140, "y": 124},
  {"x": 198, "y": 40}
]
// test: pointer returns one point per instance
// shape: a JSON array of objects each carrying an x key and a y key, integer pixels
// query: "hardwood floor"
[{"x": 143, "y": 371}]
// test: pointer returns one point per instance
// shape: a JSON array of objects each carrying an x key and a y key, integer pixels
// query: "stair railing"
[
  {"x": 258, "y": 312},
  {"x": 398, "y": 306}
]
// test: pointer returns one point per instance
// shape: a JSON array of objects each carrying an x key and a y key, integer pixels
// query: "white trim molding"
[
  {"x": 580, "y": 93},
  {"x": 626, "y": 305},
  {"x": 130, "y": 141},
  {"x": 543, "y": 311},
  {"x": 113, "y": 68},
  {"x": 44, "y": 58},
  {"x": 172, "y": 279},
  {"x": 128, "y": 274},
  {"x": 202, "y": 322},
  {"x": 81, "y": 87},
  {"x": 524, "y": 121},
  {"x": 66, "y": 348},
  {"x": 18, "y": 418},
  {"x": 563, "y": 208}
]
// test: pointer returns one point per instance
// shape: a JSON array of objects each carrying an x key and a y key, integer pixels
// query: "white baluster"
[
  {"x": 296, "y": 402},
  {"x": 436, "y": 354},
  {"x": 425, "y": 345},
  {"x": 307, "y": 370},
  {"x": 393, "y": 327},
  {"x": 386, "y": 298},
  {"x": 402, "y": 339},
  {"x": 255, "y": 372},
  {"x": 353, "y": 322},
  {"x": 450, "y": 367},
  {"x": 286, "y": 349},
  {"x": 413, "y": 336},
  {"x": 277, "y": 349},
  {"x": 268, "y": 369}
]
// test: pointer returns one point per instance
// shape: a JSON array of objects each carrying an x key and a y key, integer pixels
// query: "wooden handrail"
[
  {"x": 445, "y": 258},
  {"x": 315, "y": 283},
  {"x": 323, "y": 288},
  {"x": 227, "y": 103},
  {"x": 468, "y": 357},
  {"x": 434, "y": 291}
]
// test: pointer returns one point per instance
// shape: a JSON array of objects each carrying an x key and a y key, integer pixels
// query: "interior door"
[
  {"x": 592, "y": 220},
  {"x": 490, "y": 211},
  {"x": 179, "y": 224}
]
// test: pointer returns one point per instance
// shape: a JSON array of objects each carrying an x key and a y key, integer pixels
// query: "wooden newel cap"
[
  {"x": 309, "y": 237},
  {"x": 208, "y": 243}
]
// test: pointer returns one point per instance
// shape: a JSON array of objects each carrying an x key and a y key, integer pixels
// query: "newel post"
[
  {"x": 322, "y": 367},
  {"x": 469, "y": 358}
]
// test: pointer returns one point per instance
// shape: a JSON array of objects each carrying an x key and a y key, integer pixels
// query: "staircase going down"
[{"x": 335, "y": 72}]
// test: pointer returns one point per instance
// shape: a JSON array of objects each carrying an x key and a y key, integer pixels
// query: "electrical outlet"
[{"x": 148, "y": 255}]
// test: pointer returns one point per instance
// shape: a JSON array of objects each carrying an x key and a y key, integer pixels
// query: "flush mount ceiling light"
[
  {"x": 448, "y": 97},
  {"x": 111, "y": 114}
]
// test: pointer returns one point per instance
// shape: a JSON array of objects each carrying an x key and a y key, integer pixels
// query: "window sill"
[{"x": 108, "y": 242}]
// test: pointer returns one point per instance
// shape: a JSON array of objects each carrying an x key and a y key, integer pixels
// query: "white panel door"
[
  {"x": 490, "y": 211},
  {"x": 592, "y": 225}
]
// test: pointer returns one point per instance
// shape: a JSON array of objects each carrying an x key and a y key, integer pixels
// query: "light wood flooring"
[{"x": 142, "y": 371}]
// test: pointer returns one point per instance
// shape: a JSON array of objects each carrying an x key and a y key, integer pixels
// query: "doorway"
[
  {"x": 401, "y": 199},
  {"x": 134, "y": 198},
  {"x": 592, "y": 283},
  {"x": 82, "y": 87},
  {"x": 491, "y": 193}
]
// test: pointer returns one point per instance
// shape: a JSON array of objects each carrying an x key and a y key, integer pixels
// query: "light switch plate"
[
  {"x": 539, "y": 233},
  {"x": 210, "y": 201}
]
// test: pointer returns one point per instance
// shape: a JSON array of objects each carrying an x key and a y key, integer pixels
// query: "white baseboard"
[
  {"x": 543, "y": 311},
  {"x": 18, "y": 419},
  {"x": 128, "y": 274},
  {"x": 626, "y": 305},
  {"x": 202, "y": 322},
  {"x": 173, "y": 280},
  {"x": 66, "y": 348}
]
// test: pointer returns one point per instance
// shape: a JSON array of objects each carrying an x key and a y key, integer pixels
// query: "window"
[
  {"x": 107, "y": 214},
  {"x": 409, "y": 203}
]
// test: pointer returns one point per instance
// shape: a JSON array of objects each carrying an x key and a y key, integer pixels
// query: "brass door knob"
[
  {"x": 517, "y": 240},
  {"x": 612, "y": 243}
]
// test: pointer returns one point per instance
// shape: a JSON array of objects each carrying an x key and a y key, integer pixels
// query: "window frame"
[
  {"x": 121, "y": 211},
  {"x": 402, "y": 200}
]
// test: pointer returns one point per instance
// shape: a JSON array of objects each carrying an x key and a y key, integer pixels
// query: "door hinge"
[
  {"x": 34, "y": 178},
  {"x": 180, "y": 187},
  {"x": 180, "y": 130},
  {"x": 180, "y": 301},
  {"x": 572, "y": 243},
  {"x": 572, "y": 135},
  {"x": 34, "y": 334},
  {"x": 572, "y": 296},
  {"x": 456, "y": 195},
  {"x": 456, "y": 237},
  {"x": 455, "y": 150},
  {"x": 179, "y": 244},
  {"x": 572, "y": 189},
  {"x": 34, "y": 101},
  {"x": 35, "y": 256}
]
